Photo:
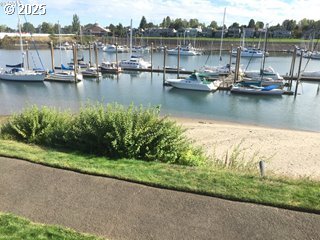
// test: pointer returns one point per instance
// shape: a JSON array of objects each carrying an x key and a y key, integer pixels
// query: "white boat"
[
  {"x": 17, "y": 72},
  {"x": 113, "y": 48},
  {"x": 195, "y": 81},
  {"x": 267, "y": 73},
  {"x": 221, "y": 70},
  {"x": 64, "y": 76},
  {"x": 255, "y": 90},
  {"x": 91, "y": 72},
  {"x": 314, "y": 55},
  {"x": 20, "y": 74},
  {"x": 261, "y": 82},
  {"x": 80, "y": 63},
  {"x": 310, "y": 74},
  {"x": 216, "y": 71},
  {"x": 140, "y": 49},
  {"x": 184, "y": 51},
  {"x": 110, "y": 67},
  {"x": 250, "y": 52},
  {"x": 135, "y": 62}
]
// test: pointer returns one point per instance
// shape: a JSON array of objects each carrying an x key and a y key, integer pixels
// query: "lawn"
[
  {"x": 287, "y": 193},
  {"x": 13, "y": 227}
]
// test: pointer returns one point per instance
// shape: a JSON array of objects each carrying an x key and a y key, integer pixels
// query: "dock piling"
[
  {"x": 52, "y": 56},
  {"x": 164, "y": 64},
  {"x": 299, "y": 73}
]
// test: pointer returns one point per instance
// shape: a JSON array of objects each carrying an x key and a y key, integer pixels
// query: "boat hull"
[
  {"x": 64, "y": 77},
  {"x": 253, "y": 91},
  {"x": 177, "y": 83},
  {"x": 33, "y": 77}
]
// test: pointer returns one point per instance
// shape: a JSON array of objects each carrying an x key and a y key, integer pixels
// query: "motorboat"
[
  {"x": 256, "y": 90},
  {"x": 184, "y": 51},
  {"x": 267, "y": 73},
  {"x": 135, "y": 62},
  {"x": 250, "y": 52},
  {"x": 216, "y": 71},
  {"x": 113, "y": 48},
  {"x": 310, "y": 74},
  {"x": 91, "y": 72},
  {"x": 195, "y": 81},
  {"x": 110, "y": 67}
]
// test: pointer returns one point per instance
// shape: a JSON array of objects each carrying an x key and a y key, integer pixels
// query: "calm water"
[{"x": 302, "y": 112}]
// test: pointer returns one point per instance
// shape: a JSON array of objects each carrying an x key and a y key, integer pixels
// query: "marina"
[{"x": 146, "y": 88}]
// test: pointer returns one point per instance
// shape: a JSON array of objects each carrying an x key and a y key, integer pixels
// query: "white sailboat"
[
  {"x": 17, "y": 72},
  {"x": 135, "y": 62},
  {"x": 216, "y": 71},
  {"x": 65, "y": 74}
]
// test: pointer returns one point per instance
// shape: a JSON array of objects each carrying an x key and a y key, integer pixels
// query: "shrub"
[
  {"x": 43, "y": 126},
  {"x": 112, "y": 130},
  {"x": 133, "y": 132}
]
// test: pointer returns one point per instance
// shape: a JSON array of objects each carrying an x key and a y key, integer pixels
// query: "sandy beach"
[{"x": 286, "y": 152}]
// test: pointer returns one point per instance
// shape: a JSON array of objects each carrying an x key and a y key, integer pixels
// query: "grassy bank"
[
  {"x": 13, "y": 227},
  {"x": 287, "y": 193}
]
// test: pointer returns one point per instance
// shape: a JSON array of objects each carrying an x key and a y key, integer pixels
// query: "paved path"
[{"x": 121, "y": 210}]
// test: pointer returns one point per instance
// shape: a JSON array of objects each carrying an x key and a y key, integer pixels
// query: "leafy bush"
[
  {"x": 40, "y": 126},
  {"x": 133, "y": 132},
  {"x": 112, "y": 130}
]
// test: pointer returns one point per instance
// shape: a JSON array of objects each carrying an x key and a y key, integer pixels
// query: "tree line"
[{"x": 297, "y": 28}]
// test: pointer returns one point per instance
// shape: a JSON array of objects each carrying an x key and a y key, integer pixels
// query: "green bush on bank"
[
  {"x": 45, "y": 126},
  {"x": 113, "y": 130}
]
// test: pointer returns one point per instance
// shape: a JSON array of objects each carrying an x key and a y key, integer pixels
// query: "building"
[
  {"x": 96, "y": 30},
  {"x": 281, "y": 33}
]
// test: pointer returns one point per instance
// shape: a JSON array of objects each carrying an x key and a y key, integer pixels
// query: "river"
[{"x": 300, "y": 113}]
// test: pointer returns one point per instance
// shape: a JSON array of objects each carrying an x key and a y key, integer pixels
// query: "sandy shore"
[{"x": 287, "y": 152}]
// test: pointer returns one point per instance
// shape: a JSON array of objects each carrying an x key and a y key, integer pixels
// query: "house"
[
  {"x": 234, "y": 32},
  {"x": 96, "y": 30},
  {"x": 249, "y": 32},
  {"x": 160, "y": 32},
  {"x": 218, "y": 33},
  {"x": 281, "y": 33}
]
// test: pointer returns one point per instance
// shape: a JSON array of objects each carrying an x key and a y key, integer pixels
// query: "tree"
[
  {"x": 66, "y": 29},
  {"x": 289, "y": 24},
  {"x": 46, "y": 28},
  {"x": 234, "y": 25},
  {"x": 251, "y": 24},
  {"x": 75, "y": 24},
  {"x": 259, "y": 24},
  {"x": 214, "y": 25},
  {"x": 55, "y": 28},
  {"x": 28, "y": 27},
  {"x": 143, "y": 23},
  {"x": 194, "y": 23}
]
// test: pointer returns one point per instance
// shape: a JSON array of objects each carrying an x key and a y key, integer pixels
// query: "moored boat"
[
  {"x": 195, "y": 81},
  {"x": 271, "y": 90},
  {"x": 110, "y": 67}
]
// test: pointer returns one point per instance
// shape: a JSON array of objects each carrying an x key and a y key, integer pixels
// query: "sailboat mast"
[
  {"x": 224, "y": 16},
  {"x": 20, "y": 34},
  {"x": 264, "y": 51},
  {"x": 60, "y": 43},
  {"x": 130, "y": 38}
]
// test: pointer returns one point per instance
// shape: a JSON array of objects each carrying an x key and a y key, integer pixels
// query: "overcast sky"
[{"x": 105, "y": 12}]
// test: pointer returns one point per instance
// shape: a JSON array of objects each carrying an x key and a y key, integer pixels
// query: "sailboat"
[
  {"x": 17, "y": 72},
  {"x": 135, "y": 62},
  {"x": 66, "y": 74},
  {"x": 220, "y": 70},
  {"x": 264, "y": 76}
]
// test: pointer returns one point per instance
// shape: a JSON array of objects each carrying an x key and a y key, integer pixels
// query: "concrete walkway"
[{"x": 121, "y": 210}]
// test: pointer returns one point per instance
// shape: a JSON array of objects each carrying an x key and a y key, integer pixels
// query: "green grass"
[
  {"x": 16, "y": 228},
  {"x": 300, "y": 194}
]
